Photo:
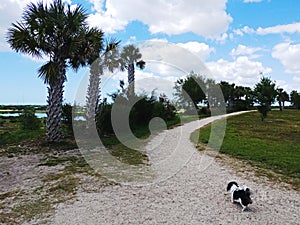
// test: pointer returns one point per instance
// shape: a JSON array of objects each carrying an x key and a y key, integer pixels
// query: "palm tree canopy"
[
  {"x": 49, "y": 30},
  {"x": 131, "y": 54}
]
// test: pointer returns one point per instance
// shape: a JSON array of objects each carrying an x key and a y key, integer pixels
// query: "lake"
[{"x": 38, "y": 115}]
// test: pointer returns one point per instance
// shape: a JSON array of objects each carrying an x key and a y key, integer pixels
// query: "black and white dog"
[{"x": 239, "y": 194}]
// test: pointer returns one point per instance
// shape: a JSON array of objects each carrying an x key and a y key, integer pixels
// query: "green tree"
[
  {"x": 57, "y": 32},
  {"x": 282, "y": 97},
  {"x": 295, "y": 99},
  {"x": 191, "y": 91},
  {"x": 131, "y": 55},
  {"x": 265, "y": 95},
  {"x": 228, "y": 92}
]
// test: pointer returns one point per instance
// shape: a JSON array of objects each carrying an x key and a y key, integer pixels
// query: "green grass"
[
  {"x": 11, "y": 132},
  {"x": 273, "y": 144}
]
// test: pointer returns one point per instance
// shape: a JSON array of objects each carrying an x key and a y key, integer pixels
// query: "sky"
[{"x": 237, "y": 41}]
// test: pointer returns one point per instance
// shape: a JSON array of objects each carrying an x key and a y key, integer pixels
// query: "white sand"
[{"x": 185, "y": 192}]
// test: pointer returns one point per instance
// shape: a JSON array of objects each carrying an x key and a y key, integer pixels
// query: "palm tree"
[
  {"x": 55, "y": 31},
  {"x": 131, "y": 55},
  {"x": 107, "y": 58}
]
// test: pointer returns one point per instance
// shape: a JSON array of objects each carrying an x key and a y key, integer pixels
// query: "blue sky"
[{"x": 235, "y": 39}]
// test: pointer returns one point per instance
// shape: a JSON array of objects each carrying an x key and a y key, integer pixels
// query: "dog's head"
[{"x": 247, "y": 194}]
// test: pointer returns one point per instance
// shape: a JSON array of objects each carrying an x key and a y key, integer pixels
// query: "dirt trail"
[{"x": 189, "y": 189}]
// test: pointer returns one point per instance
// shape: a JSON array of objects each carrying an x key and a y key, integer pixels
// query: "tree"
[
  {"x": 131, "y": 55},
  {"x": 191, "y": 91},
  {"x": 295, "y": 99},
  {"x": 282, "y": 97},
  {"x": 57, "y": 32},
  {"x": 228, "y": 92},
  {"x": 265, "y": 94},
  {"x": 101, "y": 59}
]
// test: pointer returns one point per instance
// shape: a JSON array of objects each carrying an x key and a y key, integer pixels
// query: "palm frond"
[
  {"x": 48, "y": 72},
  {"x": 141, "y": 64}
]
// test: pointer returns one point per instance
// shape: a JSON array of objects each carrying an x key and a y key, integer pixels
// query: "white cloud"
[
  {"x": 241, "y": 71},
  {"x": 288, "y": 54},
  {"x": 208, "y": 19},
  {"x": 245, "y": 50},
  {"x": 244, "y": 30},
  {"x": 287, "y": 28},
  {"x": 200, "y": 49},
  {"x": 11, "y": 12}
]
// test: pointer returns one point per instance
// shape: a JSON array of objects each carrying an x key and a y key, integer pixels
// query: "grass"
[{"x": 272, "y": 145}]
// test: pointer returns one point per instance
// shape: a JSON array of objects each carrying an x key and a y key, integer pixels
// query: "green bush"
[
  {"x": 140, "y": 114},
  {"x": 28, "y": 119},
  {"x": 67, "y": 118},
  {"x": 103, "y": 119}
]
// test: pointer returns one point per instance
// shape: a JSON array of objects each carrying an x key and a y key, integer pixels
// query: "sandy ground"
[{"x": 188, "y": 188}]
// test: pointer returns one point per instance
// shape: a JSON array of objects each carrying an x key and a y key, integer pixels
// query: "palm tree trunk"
[
  {"x": 130, "y": 71},
  {"x": 93, "y": 95},
  {"x": 54, "y": 107}
]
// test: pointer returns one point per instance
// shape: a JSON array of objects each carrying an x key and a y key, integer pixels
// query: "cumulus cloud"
[
  {"x": 244, "y": 30},
  {"x": 200, "y": 49},
  {"x": 241, "y": 71},
  {"x": 287, "y": 28},
  {"x": 11, "y": 12},
  {"x": 245, "y": 50},
  {"x": 288, "y": 54},
  {"x": 169, "y": 17}
]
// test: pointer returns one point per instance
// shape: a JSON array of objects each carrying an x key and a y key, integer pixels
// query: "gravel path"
[{"x": 189, "y": 188}]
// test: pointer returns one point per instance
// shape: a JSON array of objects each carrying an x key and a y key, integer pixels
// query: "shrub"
[
  {"x": 28, "y": 119},
  {"x": 67, "y": 118},
  {"x": 103, "y": 119}
]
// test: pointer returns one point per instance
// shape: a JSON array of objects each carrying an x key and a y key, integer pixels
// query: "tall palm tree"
[
  {"x": 131, "y": 55},
  {"x": 103, "y": 59},
  {"x": 55, "y": 31}
]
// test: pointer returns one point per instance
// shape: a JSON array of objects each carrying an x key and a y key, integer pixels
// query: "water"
[{"x": 38, "y": 115}]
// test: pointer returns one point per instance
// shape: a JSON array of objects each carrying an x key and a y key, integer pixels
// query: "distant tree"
[
  {"x": 131, "y": 56},
  {"x": 228, "y": 90},
  {"x": 282, "y": 97},
  {"x": 191, "y": 91},
  {"x": 237, "y": 97},
  {"x": 265, "y": 95},
  {"x": 295, "y": 99}
]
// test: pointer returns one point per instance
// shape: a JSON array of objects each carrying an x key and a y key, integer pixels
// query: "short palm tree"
[
  {"x": 131, "y": 55},
  {"x": 55, "y": 31}
]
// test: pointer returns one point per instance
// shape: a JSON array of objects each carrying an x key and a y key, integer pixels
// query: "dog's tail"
[{"x": 230, "y": 184}]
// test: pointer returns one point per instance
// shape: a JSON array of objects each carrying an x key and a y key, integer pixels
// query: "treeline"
[
  {"x": 196, "y": 91},
  {"x": 22, "y": 107}
]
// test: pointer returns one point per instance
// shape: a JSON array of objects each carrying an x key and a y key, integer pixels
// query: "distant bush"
[
  {"x": 103, "y": 119},
  {"x": 28, "y": 119},
  {"x": 143, "y": 110},
  {"x": 67, "y": 118}
]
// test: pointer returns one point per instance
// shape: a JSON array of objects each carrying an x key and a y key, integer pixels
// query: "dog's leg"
[
  {"x": 232, "y": 200},
  {"x": 244, "y": 208}
]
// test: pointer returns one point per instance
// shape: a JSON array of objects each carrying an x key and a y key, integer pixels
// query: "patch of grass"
[{"x": 273, "y": 144}]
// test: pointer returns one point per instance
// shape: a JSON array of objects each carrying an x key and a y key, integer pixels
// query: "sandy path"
[{"x": 190, "y": 195}]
